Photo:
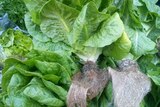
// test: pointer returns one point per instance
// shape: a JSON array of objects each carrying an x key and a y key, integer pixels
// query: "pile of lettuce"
[
  {"x": 41, "y": 80},
  {"x": 102, "y": 31},
  {"x": 14, "y": 43}
]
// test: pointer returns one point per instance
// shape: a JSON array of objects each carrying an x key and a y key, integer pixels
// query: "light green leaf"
[
  {"x": 62, "y": 93},
  {"x": 54, "y": 68},
  {"x": 18, "y": 99},
  {"x": 34, "y": 30},
  {"x": 7, "y": 38},
  {"x": 81, "y": 3},
  {"x": 51, "y": 77},
  {"x": 15, "y": 43},
  {"x": 17, "y": 81},
  {"x": 150, "y": 4},
  {"x": 141, "y": 44},
  {"x": 122, "y": 46},
  {"x": 34, "y": 7},
  {"x": 59, "y": 47},
  {"x": 41, "y": 94},
  {"x": 110, "y": 31},
  {"x": 57, "y": 19},
  {"x": 86, "y": 24},
  {"x": 49, "y": 56}
]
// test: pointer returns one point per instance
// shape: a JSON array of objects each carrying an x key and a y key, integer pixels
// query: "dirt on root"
[
  {"x": 86, "y": 85},
  {"x": 129, "y": 84}
]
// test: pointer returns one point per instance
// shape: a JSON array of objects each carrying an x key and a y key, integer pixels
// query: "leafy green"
[
  {"x": 83, "y": 30},
  {"x": 57, "y": 20},
  {"x": 121, "y": 46},
  {"x": 34, "y": 30},
  {"x": 34, "y": 7},
  {"x": 61, "y": 92},
  {"x": 110, "y": 31},
  {"x": 43, "y": 42},
  {"x": 141, "y": 44},
  {"x": 89, "y": 35},
  {"x": 42, "y": 79},
  {"x": 59, "y": 47},
  {"x": 15, "y": 43},
  {"x": 41, "y": 94}
]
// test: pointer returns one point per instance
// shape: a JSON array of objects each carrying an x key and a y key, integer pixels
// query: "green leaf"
[
  {"x": 7, "y": 38},
  {"x": 6, "y": 77},
  {"x": 152, "y": 7},
  {"x": 17, "y": 81},
  {"x": 110, "y": 31},
  {"x": 154, "y": 74},
  {"x": 62, "y": 93},
  {"x": 19, "y": 100},
  {"x": 148, "y": 65},
  {"x": 81, "y": 3},
  {"x": 122, "y": 46},
  {"x": 48, "y": 56},
  {"x": 141, "y": 44},
  {"x": 58, "y": 47},
  {"x": 53, "y": 78},
  {"x": 34, "y": 30},
  {"x": 153, "y": 33},
  {"x": 54, "y": 68},
  {"x": 34, "y": 7},
  {"x": 15, "y": 43},
  {"x": 86, "y": 24},
  {"x": 41, "y": 94},
  {"x": 48, "y": 67},
  {"x": 57, "y": 19}
]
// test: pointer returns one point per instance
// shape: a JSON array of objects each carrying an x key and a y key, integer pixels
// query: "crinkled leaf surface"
[
  {"x": 58, "y": 47},
  {"x": 86, "y": 23},
  {"x": 34, "y": 7},
  {"x": 34, "y": 30},
  {"x": 57, "y": 19},
  {"x": 15, "y": 43},
  {"x": 110, "y": 31},
  {"x": 141, "y": 44},
  {"x": 122, "y": 46},
  {"x": 41, "y": 94}
]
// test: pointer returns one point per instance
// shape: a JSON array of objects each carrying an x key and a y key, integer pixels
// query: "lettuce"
[
  {"x": 15, "y": 44},
  {"x": 104, "y": 32},
  {"x": 41, "y": 80}
]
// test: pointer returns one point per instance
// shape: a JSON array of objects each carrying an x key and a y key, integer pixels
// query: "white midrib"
[
  {"x": 65, "y": 25},
  {"x": 136, "y": 42}
]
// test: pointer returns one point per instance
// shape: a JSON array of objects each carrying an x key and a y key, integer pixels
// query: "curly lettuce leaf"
[{"x": 15, "y": 43}]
